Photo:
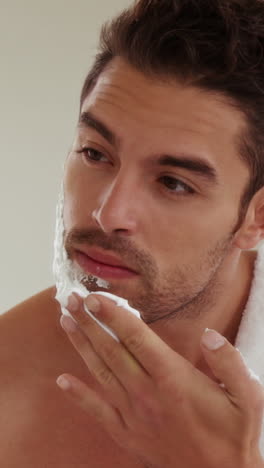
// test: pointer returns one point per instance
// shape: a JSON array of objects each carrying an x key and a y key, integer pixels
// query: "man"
[{"x": 164, "y": 201}]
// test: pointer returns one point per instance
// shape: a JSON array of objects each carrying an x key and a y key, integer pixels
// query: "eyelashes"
[
  {"x": 174, "y": 181},
  {"x": 93, "y": 157},
  {"x": 87, "y": 151}
]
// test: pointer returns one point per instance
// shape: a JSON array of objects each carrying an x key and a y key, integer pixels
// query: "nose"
[{"x": 117, "y": 209}]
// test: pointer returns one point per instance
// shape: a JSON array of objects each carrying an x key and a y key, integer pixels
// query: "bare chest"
[{"x": 53, "y": 432}]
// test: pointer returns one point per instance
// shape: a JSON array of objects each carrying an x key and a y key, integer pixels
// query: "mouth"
[{"x": 103, "y": 270}]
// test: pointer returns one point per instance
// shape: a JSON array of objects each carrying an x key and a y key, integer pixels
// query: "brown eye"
[
  {"x": 91, "y": 154},
  {"x": 171, "y": 184}
]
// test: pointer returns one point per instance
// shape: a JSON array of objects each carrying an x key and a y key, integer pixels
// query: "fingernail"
[
  {"x": 212, "y": 340},
  {"x": 92, "y": 303},
  {"x": 68, "y": 324},
  {"x": 63, "y": 383},
  {"x": 73, "y": 304}
]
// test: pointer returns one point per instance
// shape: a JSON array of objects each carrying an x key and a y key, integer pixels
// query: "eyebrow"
[
  {"x": 90, "y": 121},
  {"x": 190, "y": 162}
]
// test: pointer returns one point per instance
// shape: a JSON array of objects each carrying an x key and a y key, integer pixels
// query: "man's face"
[{"x": 172, "y": 223}]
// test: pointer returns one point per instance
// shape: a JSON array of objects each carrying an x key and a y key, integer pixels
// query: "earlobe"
[
  {"x": 247, "y": 241},
  {"x": 252, "y": 230}
]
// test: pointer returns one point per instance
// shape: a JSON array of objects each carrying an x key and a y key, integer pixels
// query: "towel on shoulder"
[{"x": 250, "y": 337}]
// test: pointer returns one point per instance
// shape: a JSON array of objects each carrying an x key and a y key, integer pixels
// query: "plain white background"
[{"x": 46, "y": 49}]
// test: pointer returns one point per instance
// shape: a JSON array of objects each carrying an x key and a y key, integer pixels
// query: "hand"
[{"x": 158, "y": 406}]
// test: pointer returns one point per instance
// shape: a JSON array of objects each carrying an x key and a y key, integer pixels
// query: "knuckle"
[
  {"x": 103, "y": 375},
  {"x": 97, "y": 413},
  {"x": 144, "y": 396},
  {"x": 135, "y": 341},
  {"x": 171, "y": 386},
  {"x": 148, "y": 407},
  {"x": 109, "y": 353}
]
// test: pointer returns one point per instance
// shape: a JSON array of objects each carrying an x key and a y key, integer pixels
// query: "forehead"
[{"x": 135, "y": 107}]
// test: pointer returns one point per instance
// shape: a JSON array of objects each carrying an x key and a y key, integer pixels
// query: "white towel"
[{"x": 250, "y": 337}]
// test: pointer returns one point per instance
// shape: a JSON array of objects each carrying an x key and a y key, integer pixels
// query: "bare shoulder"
[
  {"x": 43, "y": 300},
  {"x": 27, "y": 316},
  {"x": 39, "y": 425},
  {"x": 25, "y": 329}
]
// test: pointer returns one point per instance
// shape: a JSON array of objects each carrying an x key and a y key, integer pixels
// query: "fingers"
[
  {"x": 107, "y": 359},
  {"x": 228, "y": 365},
  {"x": 91, "y": 403},
  {"x": 97, "y": 367},
  {"x": 153, "y": 354}
]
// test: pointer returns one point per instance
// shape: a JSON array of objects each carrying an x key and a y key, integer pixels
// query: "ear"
[{"x": 251, "y": 231}]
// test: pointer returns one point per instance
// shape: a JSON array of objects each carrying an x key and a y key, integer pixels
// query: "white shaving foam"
[{"x": 68, "y": 276}]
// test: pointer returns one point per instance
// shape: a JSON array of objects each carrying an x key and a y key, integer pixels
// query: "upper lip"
[{"x": 102, "y": 257}]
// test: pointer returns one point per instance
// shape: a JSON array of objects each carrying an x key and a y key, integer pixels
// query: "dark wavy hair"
[{"x": 216, "y": 45}]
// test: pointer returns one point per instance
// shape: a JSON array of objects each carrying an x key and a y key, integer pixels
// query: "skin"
[
  {"x": 161, "y": 377},
  {"x": 154, "y": 403},
  {"x": 193, "y": 272},
  {"x": 184, "y": 279}
]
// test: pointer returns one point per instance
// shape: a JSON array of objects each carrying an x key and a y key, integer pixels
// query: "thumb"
[{"x": 228, "y": 366}]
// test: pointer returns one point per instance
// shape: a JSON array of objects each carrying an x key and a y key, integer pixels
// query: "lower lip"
[{"x": 102, "y": 270}]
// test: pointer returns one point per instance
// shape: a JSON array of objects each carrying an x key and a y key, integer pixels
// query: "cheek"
[
  {"x": 79, "y": 194},
  {"x": 191, "y": 233}
]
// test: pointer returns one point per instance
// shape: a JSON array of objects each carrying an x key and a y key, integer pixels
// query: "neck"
[{"x": 223, "y": 313}]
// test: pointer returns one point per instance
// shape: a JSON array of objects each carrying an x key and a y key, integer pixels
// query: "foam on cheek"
[{"x": 68, "y": 276}]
